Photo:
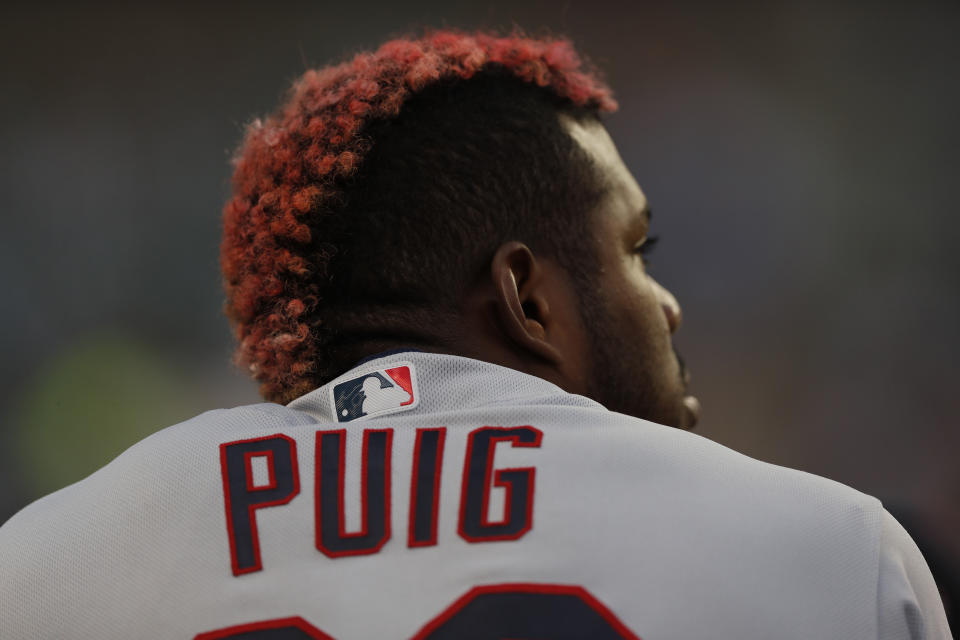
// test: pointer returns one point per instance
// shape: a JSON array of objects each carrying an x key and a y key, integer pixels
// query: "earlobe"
[{"x": 521, "y": 300}]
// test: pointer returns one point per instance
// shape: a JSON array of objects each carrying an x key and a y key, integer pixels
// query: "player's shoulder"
[
  {"x": 126, "y": 513},
  {"x": 164, "y": 459},
  {"x": 689, "y": 465},
  {"x": 698, "y": 503}
]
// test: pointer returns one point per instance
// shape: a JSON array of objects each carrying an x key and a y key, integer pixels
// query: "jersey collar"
[{"x": 438, "y": 383}]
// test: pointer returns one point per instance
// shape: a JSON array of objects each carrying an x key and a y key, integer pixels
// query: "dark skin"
[{"x": 526, "y": 315}]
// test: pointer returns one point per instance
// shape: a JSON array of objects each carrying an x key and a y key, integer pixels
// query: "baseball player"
[{"x": 476, "y": 427}]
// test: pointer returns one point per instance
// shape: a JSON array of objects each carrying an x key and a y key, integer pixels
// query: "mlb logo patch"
[{"x": 376, "y": 393}]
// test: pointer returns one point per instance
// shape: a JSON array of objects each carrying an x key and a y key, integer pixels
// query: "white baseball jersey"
[{"x": 433, "y": 496}]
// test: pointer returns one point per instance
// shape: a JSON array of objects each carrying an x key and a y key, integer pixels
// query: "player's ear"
[{"x": 523, "y": 301}]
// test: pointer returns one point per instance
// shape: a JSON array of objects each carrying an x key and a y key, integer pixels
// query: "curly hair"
[{"x": 345, "y": 199}]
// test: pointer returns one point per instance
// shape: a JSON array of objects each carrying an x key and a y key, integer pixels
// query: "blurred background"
[{"x": 802, "y": 162}]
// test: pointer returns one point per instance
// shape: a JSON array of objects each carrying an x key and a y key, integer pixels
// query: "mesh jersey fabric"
[{"x": 676, "y": 536}]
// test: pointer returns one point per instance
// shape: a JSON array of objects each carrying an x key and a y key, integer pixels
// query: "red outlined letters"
[
  {"x": 242, "y": 499},
  {"x": 425, "y": 487},
  {"x": 474, "y": 523},
  {"x": 245, "y": 492},
  {"x": 332, "y": 539}
]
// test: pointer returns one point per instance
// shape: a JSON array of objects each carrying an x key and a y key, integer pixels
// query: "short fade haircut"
[{"x": 382, "y": 187}]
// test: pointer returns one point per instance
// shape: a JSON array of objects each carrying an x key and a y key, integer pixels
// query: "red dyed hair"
[{"x": 288, "y": 167}]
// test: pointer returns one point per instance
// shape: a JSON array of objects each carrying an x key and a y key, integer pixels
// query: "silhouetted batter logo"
[{"x": 376, "y": 393}]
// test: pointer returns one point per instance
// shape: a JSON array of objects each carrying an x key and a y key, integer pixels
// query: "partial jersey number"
[{"x": 492, "y": 612}]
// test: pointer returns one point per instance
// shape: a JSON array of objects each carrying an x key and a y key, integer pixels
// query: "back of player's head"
[{"x": 367, "y": 204}]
